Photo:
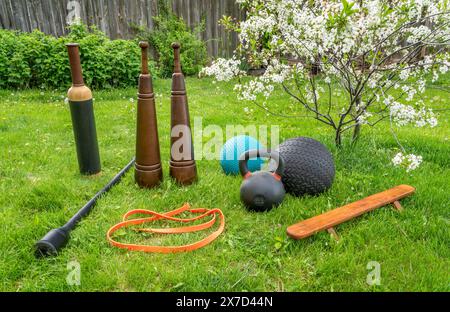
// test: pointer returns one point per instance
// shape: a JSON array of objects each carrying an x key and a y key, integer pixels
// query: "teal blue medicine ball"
[{"x": 234, "y": 148}]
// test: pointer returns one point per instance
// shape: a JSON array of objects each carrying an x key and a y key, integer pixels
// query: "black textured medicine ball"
[{"x": 309, "y": 166}]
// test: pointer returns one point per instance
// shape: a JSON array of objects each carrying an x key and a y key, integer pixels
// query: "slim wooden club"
[
  {"x": 148, "y": 170},
  {"x": 83, "y": 119},
  {"x": 182, "y": 163}
]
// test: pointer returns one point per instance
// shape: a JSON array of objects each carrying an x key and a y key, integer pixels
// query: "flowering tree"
[{"x": 378, "y": 53}]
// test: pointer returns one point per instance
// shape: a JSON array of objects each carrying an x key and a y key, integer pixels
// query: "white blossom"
[
  {"x": 223, "y": 69},
  {"x": 398, "y": 159},
  {"x": 363, "y": 118},
  {"x": 410, "y": 162},
  {"x": 403, "y": 115},
  {"x": 404, "y": 74}
]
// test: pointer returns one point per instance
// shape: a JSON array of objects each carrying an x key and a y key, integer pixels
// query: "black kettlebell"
[{"x": 262, "y": 190}]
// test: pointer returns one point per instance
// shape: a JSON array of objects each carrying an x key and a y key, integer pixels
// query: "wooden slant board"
[{"x": 342, "y": 214}]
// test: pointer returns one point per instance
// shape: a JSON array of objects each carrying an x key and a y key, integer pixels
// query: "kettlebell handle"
[{"x": 244, "y": 158}]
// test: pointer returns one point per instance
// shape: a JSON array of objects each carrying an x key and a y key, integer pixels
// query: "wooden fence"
[{"x": 116, "y": 17}]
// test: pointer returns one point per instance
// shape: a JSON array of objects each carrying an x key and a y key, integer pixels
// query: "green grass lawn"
[{"x": 40, "y": 188}]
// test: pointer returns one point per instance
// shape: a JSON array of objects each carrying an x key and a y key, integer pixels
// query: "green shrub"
[
  {"x": 14, "y": 68},
  {"x": 36, "y": 60},
  {"x": 169, "y": 28},
  {"x": 124, "y": 62}
]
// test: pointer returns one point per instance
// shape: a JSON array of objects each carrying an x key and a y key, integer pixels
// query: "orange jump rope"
[{"x": 203, "y": 213}]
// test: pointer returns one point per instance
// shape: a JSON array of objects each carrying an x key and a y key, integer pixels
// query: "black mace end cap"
[
  {"x": 51, "y": 243},
  {"x": 176, "y": 45},
  {"x": 143, "y": 44}
]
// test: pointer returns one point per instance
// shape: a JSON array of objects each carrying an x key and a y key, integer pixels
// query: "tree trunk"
[
  {"x": 357, "y": 129},
  {"x": 356, "y": 133},
  {"x": 338, "y": 139}
]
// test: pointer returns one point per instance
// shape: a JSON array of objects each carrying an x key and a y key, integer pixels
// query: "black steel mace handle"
[{"x": 56, "y": 239}]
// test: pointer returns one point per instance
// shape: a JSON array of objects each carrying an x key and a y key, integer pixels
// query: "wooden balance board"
[{"x": 342, "y": 214}]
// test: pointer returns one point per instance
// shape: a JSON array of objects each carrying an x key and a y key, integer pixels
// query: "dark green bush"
[
  {"x": 169, "y": 28},
  {"x": 14, "y": 69},
  {"x": 36, "y": 60}
]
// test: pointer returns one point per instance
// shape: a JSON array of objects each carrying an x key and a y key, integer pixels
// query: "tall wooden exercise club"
[
  {"x": 182, "y": 163},
  {"x": 83, "y": 119},
  {"x": 148, "y": 170}
]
